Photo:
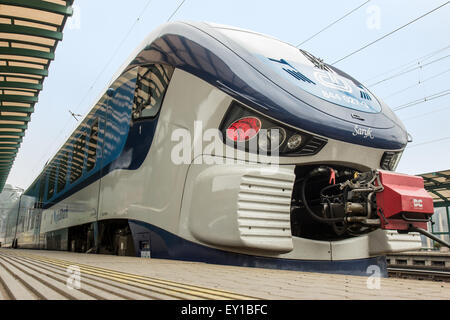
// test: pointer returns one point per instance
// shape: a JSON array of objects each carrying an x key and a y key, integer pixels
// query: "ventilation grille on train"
[
  {"x": 264, "y": 208},
  {"x": 390, "y": 160},
  {"x": 387, "y": 157},
  {"x": 314, "y": 145}
]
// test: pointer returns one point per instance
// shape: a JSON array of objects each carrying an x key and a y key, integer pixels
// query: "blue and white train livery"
[{"x": 114, "y": 186}]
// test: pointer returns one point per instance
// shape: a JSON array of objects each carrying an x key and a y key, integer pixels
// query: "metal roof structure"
[
  {"x": 29, "y": 33},
  {"x": 438, "y": 185}
]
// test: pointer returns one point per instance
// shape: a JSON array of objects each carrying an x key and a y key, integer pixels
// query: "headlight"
[
  {"x": 240, "y": 125},
  {"x": 243, "y": 129},
  {"x": 294, "y": 142},
  {"x": 271, "y": 139}
]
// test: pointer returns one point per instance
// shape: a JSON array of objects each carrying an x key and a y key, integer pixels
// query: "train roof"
[{"x": 277, "y": 79}]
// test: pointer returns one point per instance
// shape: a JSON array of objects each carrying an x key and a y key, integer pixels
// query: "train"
[{"x": 222, "y": 145}]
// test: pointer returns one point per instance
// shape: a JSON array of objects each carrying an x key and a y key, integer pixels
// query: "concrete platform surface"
[{"x": 33, "y": 274}]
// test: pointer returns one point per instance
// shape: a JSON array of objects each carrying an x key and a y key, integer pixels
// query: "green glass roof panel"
[
  {"x": 438, "y": 185},
  {"x": 41, "y": 5},
  {"x": 18, "y": 139},
  {"x": 19, "y": 52},
  {"x": 17, "y": 98},
  {"x": 30, "y": 31},
  {"x": 38, "y": 23},
  {"x": 14, "y": 118},
  {"x": 16, "y": 109},
  {"x": 21, "y": 85},
  {"x": 23, "y": 70}
]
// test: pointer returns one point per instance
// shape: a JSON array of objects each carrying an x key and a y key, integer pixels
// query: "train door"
[
  {"x": 111, "y": 230},
  {"x": 151, "y": 85},
  {"x": 133, "y": 111},
  {"x": 82, "y": 174}
]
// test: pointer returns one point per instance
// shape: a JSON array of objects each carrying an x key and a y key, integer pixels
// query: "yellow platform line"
[
  {"x": 186, "y": 290},
  {"x": 132, "y": 278}
]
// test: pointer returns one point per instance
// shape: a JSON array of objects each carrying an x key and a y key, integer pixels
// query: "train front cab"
[
  {"x": 239, "y": 212},
  {"x": 207, "y": 204}
]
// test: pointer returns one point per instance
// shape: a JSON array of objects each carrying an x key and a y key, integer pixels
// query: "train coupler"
[{"x": 403, "y": 203}]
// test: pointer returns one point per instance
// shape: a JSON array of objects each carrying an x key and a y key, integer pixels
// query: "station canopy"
[
  {"x": 29, "y": 33},
  {"x": 438, "y": 185}
]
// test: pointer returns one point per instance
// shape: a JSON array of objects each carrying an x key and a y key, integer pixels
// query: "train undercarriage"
[{"x": 113, "y": 237}]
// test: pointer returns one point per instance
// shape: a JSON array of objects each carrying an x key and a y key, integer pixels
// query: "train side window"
[
  {"x": 62, "y": 173},
  {"x": 151, "y": 85},
  {"x": 76, "y": 168},
  {"x": 51, "y": 180},
  {"x": 92, "y": 147},
  {"x": 32, "y": 219},
  {"x": 42, "y": 181}
]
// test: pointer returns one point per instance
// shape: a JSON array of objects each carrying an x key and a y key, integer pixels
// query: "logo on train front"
[{"x": 363, "y": 132}]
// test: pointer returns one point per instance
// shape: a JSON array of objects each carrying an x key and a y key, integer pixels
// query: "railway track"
[
  {"x": 34, "y": 277},
  {"x": 419, "y": 274}
]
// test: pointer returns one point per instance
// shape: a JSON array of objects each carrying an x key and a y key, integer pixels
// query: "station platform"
[{"x": 41, "y": 275}]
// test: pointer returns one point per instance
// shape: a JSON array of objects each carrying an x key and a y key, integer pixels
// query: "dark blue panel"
[{"x": 165, "y": 245}]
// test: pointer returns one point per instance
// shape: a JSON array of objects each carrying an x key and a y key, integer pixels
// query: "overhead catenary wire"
[
  {"x": 426, "y": 113},
  {"x": 410, "y": 63},
  {"x": 419, "y": 66},
  {"x": 332, "y": 24},
  {"x": 422, "y": 100},
  {"x": 427, "y": 142},
  {"x": 416, "y": 84},
  {"x": 176, "y": 10},
  {"x": 390, "y": 33}
]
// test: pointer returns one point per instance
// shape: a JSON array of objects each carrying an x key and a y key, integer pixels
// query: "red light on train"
[{"x": 244, "y": 129}]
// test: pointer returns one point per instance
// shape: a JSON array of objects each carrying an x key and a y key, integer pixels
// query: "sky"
[{"x": 102, "y": 34}]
